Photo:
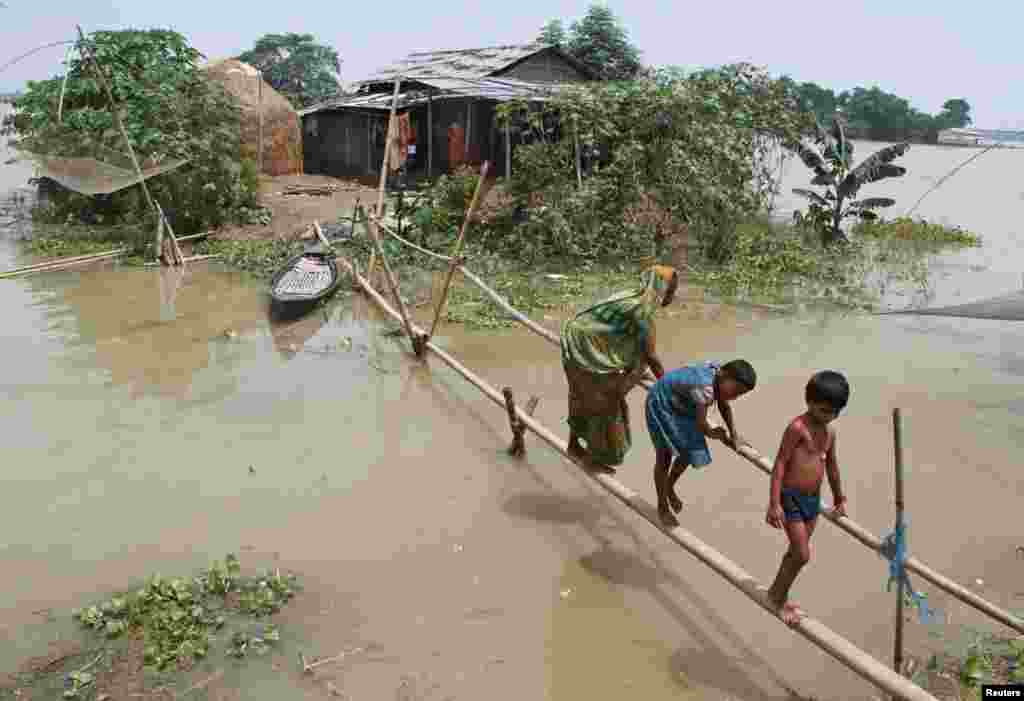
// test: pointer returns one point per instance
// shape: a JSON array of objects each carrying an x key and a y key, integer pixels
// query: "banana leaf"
[
  {"x": 813, "y": 160},
  {"x": 873, "y": 203},
  {"x": 812, "y": 196},
  {"x": 843, "y": 145},
  {"x": 875, "y": 167}
]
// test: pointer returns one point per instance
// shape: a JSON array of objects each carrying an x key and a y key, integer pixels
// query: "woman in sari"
[{"x": 606, "y": 350}]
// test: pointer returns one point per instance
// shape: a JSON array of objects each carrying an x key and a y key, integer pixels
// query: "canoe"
[{"x": 303, "y": 282}]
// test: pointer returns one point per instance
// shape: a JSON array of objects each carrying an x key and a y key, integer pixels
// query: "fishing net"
[{"x": 101, "y": 172}]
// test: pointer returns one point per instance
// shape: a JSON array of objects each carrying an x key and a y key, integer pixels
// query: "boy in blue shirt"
[{"x": 677, "y": 418}]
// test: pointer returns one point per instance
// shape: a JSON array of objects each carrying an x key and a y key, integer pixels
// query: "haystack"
[{"x": 282, "y": 127}]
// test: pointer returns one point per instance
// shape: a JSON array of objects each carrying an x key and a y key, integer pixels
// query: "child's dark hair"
[
  {"x": 742, "y": 372},
  {"x": 830, "y": 387}
]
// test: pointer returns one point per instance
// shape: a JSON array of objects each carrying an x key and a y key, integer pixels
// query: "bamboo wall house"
[{"x": 446, "y": 107}]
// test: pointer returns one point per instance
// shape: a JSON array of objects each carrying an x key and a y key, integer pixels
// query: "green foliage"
[
  {"x": 693, "y": 146},
  {"x": 598, "y": 41},
  {"x": 179, "y": 618},
  {"x": 553, "y": 34},
  {"x": 78, "y": 242},
  {"x": 907, "y": 229},
  {"x": 297, "y": 67},
  {"x": 833, "y": 169},
  {"x": 170, "y": 111},
  {"x": 261, "y": 257}
]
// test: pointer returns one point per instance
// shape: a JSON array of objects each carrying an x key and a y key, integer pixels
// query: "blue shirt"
[{"x": 685, "y": 390}]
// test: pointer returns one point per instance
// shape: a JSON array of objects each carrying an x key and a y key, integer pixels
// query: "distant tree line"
[
  {"x": 599, "y": 41},
  {"x": 872, "y": 113}
]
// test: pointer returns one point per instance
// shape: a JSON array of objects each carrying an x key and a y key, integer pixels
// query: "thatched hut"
[{"x": 282, "y": 128}]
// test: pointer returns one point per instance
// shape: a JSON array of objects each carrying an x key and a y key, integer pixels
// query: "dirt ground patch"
[{"x": 292, "y": 214}]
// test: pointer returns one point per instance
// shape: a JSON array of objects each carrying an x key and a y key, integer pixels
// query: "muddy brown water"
[{"x": 132, "y": 419}]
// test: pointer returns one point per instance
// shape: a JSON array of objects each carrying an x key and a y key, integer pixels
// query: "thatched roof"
[{"x": 466, "y": 63}]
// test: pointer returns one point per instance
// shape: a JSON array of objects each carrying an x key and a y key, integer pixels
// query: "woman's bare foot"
[
  {"x": 667, "y": 517},
  {"x": 790, "y": 614},
  {"x": 674, "y": 501}
]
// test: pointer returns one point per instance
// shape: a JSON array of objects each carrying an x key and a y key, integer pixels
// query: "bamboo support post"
[
  {"x": 430, "y": 134},
  {"x": 384, "y": 170},
  {"x": 259, "y": 112},
  {"x": 813, "y": 630},
  {"x": 416, "y": 339},
  {"x": 508, "y": 151},
  {"x": 751, "y": 455},
  {"x": 458, "y": 248},
  {"x": 518, "y": 447},
  {"x": 897, "y": 428},
  {"x": 320, "y": 235},
  {"x": 576, "y": 151},
  {"x": 176, "y": 257}
]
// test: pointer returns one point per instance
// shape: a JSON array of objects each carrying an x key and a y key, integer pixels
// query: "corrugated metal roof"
[
  {"x": 500, "y": 89},
  {"x": 466, "y": 63}
]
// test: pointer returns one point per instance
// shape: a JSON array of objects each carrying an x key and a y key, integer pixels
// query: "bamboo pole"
[
  {"x": 63, "y": 264},
  {"x": 897, "y": 428},
  {"x": 458, "y": 248},
  {"x": 416, "y": 339},
  {"x": 259, "y": 111},
  {"x": 576, "y": 150},
  {"x": 320, "y": 235},
  {"x": 813, "y": 630},
  {"x": 60, "y": 261},
  {"x": 851, "y": 527},
  {"x": 430, "y": 134},
  {"x": 508, "y": 151},
  {"x": 384, "y": 170},
  {"x": 175, "y": 248},
  {"x": 191, "y": 259}
]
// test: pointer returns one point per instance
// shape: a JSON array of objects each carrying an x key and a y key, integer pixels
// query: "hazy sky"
[{"x": 926, "y": 51}]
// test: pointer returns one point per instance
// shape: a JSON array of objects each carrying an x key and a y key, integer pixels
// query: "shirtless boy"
[{"x": 807, "y": 452}]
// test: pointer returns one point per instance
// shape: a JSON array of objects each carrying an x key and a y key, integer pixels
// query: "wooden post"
[
  {"x": 369, "y": 145},
  {"x": 897, "y": 428},
  {"x": 576, "y": 148},
  {"x": 418, "y": 341},
  {"x": 518, "y": 447},
  {"x": 176, "y": 257},
  {"x": 384, "y": 171},
  {"x": 430, "y": 134},
  {"x": 259, "y": 75},
  {"x": 458, "y": 248},
  {"x": 469, "y": 130},
  {"x": 508, "y": 151}
]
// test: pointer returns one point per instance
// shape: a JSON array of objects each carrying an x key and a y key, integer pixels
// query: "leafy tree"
[
  {"x": 833, "y": 168},
  {"x": 297, "y": 67},
  {"x": 169, "y": 109},
  {"x": 599, "y": 42},
  {"x": 955, "y": 113},
  {"x": 553, "y": 34}
]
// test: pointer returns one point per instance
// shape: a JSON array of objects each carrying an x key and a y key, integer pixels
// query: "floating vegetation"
[{"x": 179, "y": 618}]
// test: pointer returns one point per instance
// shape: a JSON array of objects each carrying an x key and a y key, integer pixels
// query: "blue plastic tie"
[{"x": 894, "y": 549}]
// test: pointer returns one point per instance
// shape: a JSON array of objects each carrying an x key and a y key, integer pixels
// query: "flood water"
[{"x": 155, "y": 421}]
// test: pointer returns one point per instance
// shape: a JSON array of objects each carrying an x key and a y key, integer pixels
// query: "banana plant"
[{"x": 832, "y": 163}]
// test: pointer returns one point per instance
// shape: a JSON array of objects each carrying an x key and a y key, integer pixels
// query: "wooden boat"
[{"x": 303, "y": 282}]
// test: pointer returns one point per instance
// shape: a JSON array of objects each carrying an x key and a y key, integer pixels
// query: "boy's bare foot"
[
  {"x": 667, "y": 517},
  {"x": 674, "y": 501},
  {"x": 577, "y": 452},
  {"x": 790, "y": 613}
]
